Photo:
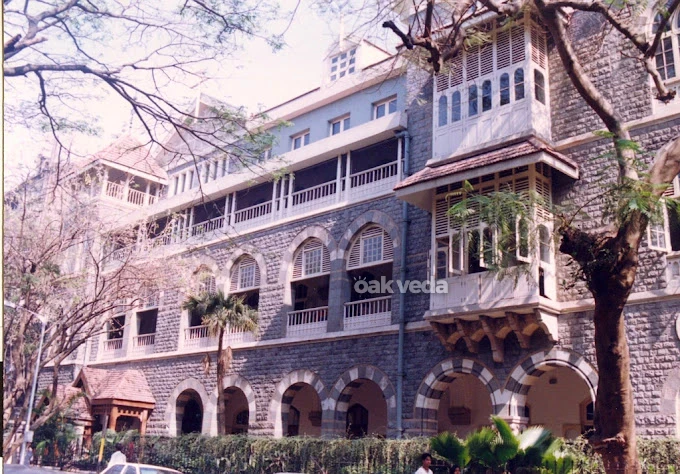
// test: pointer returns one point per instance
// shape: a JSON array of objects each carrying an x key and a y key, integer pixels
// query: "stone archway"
[
  {"x": 285, "y": 392},
  {"x": 235, "y": 386},
  {"x": 437, "y": 381},
  {"x": 347, "y": 385},
  {"x": 182, "y": 394},
  {"x": 528, "y": 372}
]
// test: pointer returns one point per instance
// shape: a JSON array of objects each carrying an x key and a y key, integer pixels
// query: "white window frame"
[
  {"x": 340, "y": 66},
  {"x": 304, "y": 140},
  {"x": 343, "y": 123},
  {"x": 387, "y": 103},
  {"x": 363, "y": 249},
  {"x": 674, "y": 82},
  {"x": 659, "y": 229},
  {"x": 241, "y": 271},
  {"x": 309, "y": 256}
]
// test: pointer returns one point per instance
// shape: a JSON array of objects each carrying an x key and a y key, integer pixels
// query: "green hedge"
[{"x": 196, "y": 454}]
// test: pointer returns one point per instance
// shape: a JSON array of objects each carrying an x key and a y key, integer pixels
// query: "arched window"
[
  {"x": 505, "y": 88},
  {"x": 472, "y": 100},
  {"x": 442, "y": 110},
  {"x": 519, "y": 84},
  {"x": 539, "y": 86},
  {"x": 486, "y": 96},
  {"x": 455, "y": 107},
  {"x": 372, "y": 247},
  {"x": 310, "y": 283},
  {"x": 312, "y": 259},
  {"x": 245, "y": 280}
]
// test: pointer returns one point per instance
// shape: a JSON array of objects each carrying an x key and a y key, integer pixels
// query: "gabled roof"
[
  {"x": 131, "y": 153},
  {"x": 103, "y": 384},
  {"x": 78, "y": 408}
]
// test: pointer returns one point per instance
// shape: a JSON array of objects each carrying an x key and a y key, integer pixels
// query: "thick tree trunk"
[
  {"x": 614, "y": 437},
  {"x": 221, "y": 412}
]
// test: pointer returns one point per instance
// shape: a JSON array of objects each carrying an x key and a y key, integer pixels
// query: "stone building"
[{"x": 373, "y": 158}]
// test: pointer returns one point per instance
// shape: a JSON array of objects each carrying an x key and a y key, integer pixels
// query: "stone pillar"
[
  {"x": 339, "y": 294},
  {"x": 517, "y": 423}
]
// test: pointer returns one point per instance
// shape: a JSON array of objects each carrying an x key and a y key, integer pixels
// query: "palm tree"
[
  {"x": 220, "y": 313},
  {"x": 448, "y": 446}
]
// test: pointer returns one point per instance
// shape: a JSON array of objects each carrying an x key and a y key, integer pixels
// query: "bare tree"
[
  {"x": 60, "y": 54},
  {"x": 607, "y": 256},
  {"x": 59, "y": 263}
]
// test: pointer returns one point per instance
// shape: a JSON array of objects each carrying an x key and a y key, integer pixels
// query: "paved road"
[{"x": 19, "y": 469}]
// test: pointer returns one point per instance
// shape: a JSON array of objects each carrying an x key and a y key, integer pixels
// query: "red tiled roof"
[
  {"x": 128, "y": 152},
  {"x": 127, "y": 384},
  {"x": 78, "y": 409},
  {"x": 523, "y": 148}
]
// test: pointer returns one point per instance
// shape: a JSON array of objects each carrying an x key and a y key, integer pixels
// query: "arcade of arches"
[{"x": 460, "y": 399}]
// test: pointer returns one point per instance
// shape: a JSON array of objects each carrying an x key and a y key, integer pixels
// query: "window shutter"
[
  {"x": 207, "y": 284},
  {"x": 517, "y": 49},
  {"x": 538, "y": 46},
  {"x": 487, "y": 59},
  {"x": 503, "y": 49},
  {"x": 441, "y": 219},
  {"x": 457, "y": 70},
  {"x": 472, "y": 63},
  {"x": 355, "y": 259},
  {"x": 235, "y": 272},
  {"x": 298, "y": 264},
  {"x": 442, "y": 81}
]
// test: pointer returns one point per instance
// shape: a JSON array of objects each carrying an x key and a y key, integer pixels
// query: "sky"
[{"x": 256, "y": 78}]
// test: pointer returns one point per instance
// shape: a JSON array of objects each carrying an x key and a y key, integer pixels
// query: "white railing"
[
  {"x": 484, "y": 288},
  {"x": 121, "y": 255},
  {"x": 374, "y": 174},
  {"x": 207, "y": 226},
  {"x": 307, "y": 321},
  {"x": 112, "y": 348},
  {"x": 314, "y": 193},
  {"x": 144, "y": 344},
  {"x": 118, "y": 191},
  {"x": 198, "y": 336},
  {"x": 252, "y": 216},
  {"x": 114, "y": 190},
  {"x": 368, "y": 313}
]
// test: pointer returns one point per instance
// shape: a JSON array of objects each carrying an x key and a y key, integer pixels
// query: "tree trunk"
[
  {"x": 614, "y": 437},
  {"x": 221, "y": 412}
]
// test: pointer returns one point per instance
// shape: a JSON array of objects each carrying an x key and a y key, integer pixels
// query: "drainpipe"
[{"x": 402, "y": 296}]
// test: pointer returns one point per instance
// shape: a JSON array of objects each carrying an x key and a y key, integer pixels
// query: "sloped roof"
[
  {"x": 129, "y": 384},
  {"x": 130, "y": 152},
  {"x": 78, "y": 409},
  {"x": 517, "y": 150}
]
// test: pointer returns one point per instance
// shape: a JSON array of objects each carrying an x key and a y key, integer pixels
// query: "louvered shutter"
[
  {"x": 368, "y": 237},
  {"x": 472, "y": 64},
  {"x": 242, "y": 266},
  {"x": 487, "y": 59},
  {"x": 457, "y": 70},
  {"x": 517, "y": 48},
  {"x": 312, "y": 245},
  {"x": 503, "y": 49},
  {"x": 442, "y": 81},
  {"x": 538, "y": 46}
]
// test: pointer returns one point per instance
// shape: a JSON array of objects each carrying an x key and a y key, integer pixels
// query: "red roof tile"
[
  {"x": 78, "y": 408},
  {"x": 128, "y": 152},
  {"x": 523, "y": 148},
  {"x": 127, "y": 384}
]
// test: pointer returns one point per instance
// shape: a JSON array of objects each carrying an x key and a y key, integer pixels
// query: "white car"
[{"x": 132, "y": 468}]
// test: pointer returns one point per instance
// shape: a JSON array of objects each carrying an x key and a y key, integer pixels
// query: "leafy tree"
[
  {"x": 222, "y": 313},
  {"x": 607, "y": 256},
  {"x": 62, "y": 56},
  {"x": 56, "y": 264},
  {"x": 53, "y": 440}
]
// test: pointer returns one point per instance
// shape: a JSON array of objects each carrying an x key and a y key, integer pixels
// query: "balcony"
[
  {"x": 199, "y": 337},
  {"x": 483, "y": 290},
  {"x": 307, "y": 322},
  {"x": 143, "y": 344},
  {"x": 368, "y": 313},
  {"x": 123, "y": 193},
  {"x": 112, "y": 349}
]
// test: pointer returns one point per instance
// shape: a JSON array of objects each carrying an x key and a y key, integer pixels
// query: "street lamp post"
[{"x": 43, "y": 323}]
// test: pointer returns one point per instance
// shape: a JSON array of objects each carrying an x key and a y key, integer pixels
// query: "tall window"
[
  {"x": 667, "y": 52},
  {"x": 455, "y": 106},
  {"x": 519, "y": 84},
  {"x": 505, "y": 88},
  {"x": 539, "y": 86},
  {"x": 442, "y": 111},
  {"x": 472, "y": 100},
  {"x": 486, "y": 96},
  {"x": 245, "y": 281}
]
